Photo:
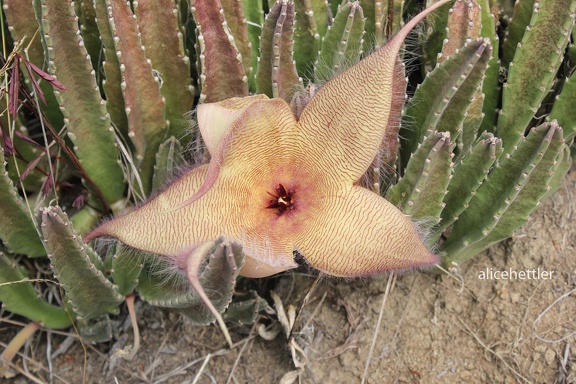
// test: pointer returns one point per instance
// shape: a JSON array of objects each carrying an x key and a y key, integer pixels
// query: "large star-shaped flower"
[{"x": 279, "y": 184}]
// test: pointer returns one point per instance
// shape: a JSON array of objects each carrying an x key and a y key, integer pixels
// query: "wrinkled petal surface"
[
  {"x": 150, "y": 228},
  {"x": 360, "y": 233},
  {"x": 348, "y": 116},
  {"x": 214, "y": 119}
]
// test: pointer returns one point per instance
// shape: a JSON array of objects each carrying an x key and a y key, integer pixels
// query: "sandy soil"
[{"x": 435, "y": 328}]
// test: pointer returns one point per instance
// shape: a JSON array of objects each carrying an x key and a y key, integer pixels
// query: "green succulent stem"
[
  {"x": 434, "y": 36},
  {"x": 523, "y": 11},
  {"x": 19, "y": 296},
  {"x": 342, "y": 45},
  {"x": 255, "y": 18},
  {"x": 89, "y": 292},
  {"x": 111, "y": 85},
  {"x": 17, "y": 229},
  {"x": 163, "y": 45},
  {"x": 563, "y": 110},
  {"x": 222, "y": 75},
  {"x": 510, "y": 193},
  {"x": 145, "y": 106},
  {"x": 536, "y": 61},
  {"x": 168, "y": 160},
  {"x": 469, "y": 174},
  {"x": 490, "y": 87},
  {"x": 441, "y": 101},
  {"x": 86, "y": 118},
  {"x": 277, "y": 75},
  {"x": 306, "y": 38},
  {"x": 234, "y": 15}
]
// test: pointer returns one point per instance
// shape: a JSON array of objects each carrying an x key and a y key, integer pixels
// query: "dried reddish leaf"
[
  {"x": 14, "y": 90},
  {"x": 47, "y": 187},
  {"x": 79, "y": 201},
  {"x": 35, "y": 84},
  {"x": 28, "y": 140},
  {"x": 29, "y": 168},
  {"x": 7, "y": 144},
  {"x": 49, "y": 78}
]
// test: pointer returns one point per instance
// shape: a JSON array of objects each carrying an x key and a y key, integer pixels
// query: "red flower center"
[{"x": 282, "y": 200}]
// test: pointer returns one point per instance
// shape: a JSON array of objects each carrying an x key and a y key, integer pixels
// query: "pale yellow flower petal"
[
  {"x": 359, "y": 233},
  {"x": 215, "y": 118},
  {"x": 347, "y": 119}
]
